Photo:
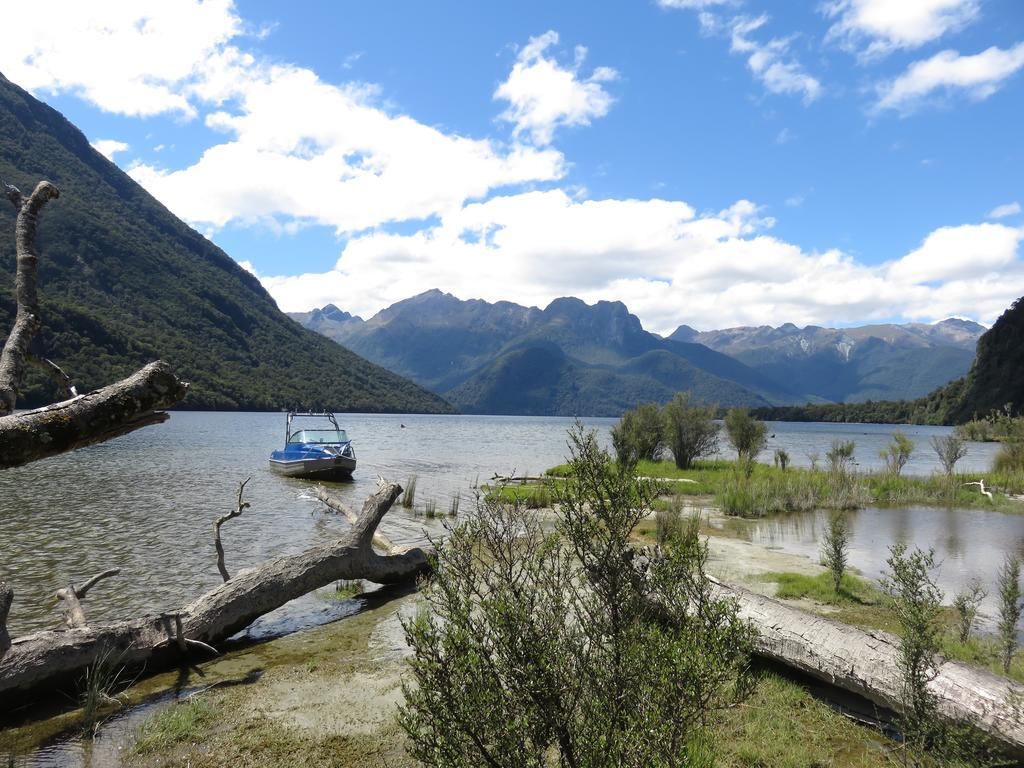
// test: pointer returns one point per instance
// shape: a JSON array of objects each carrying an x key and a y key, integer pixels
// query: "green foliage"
[
  {"x": 898, "y": 453},
  {"x": 639, "y": 435},
  {"x": 1010, "y": 604},
  {"x": 506, "y": 667},
  {"x": 916, "y": 603},
  {"x": 835, "y": 547},
  {"x": 747, "y": 435},
  {"x": 840, "y": 456},
  {"x": 781, "y": 458},
  {"x": 669, "y": 522},
  {"x": 123, "y": 282},
  {"x": 949, "y": 449},
  {"x": 966, "y": 603},
  {"x": 690, "y": 430}
]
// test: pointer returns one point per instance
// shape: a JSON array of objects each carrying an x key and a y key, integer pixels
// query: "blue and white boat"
[{"x": 321, "y": 451}]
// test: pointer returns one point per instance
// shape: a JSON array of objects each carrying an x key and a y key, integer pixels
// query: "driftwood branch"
[
  {"x": 15, "y": 355},
  {"x": 74, "y": 613},
  {"x": 94, "y": 417},
  {"x": 335, "y": 504},
  {"x": 56, "y": 373},
  {"x": 6, "y": 598},
  {"x": 240, "y": 507},
  {"x": 47, "y": 658},
  {"x": 866, "y": 663}
]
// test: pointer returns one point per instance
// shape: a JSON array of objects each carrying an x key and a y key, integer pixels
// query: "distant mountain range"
[
  {"x": 851, "y": 365},
  {"x": 573, "y": 358},
  {"x": 122, "y": 282},
  {"x": 566, "y": 359}
]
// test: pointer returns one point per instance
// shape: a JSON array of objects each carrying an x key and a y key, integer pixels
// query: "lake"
[{"x": 146, "y": 502}]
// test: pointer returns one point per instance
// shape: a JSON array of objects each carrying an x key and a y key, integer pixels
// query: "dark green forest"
[{"x": 122, "y": 282}]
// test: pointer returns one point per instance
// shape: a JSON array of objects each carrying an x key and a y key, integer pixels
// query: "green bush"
[{"x": 690, "y": 430}]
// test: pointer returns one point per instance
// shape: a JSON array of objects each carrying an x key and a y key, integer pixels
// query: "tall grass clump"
[
  {"x": 668, "y": 521},
  {"x": 430, "y": 508},
  {"x": 781, "y": 458},
  {"x": 840, "y": 456},
  {"x": 453, "y": 507},
  {"x": 409, "y": 495}
]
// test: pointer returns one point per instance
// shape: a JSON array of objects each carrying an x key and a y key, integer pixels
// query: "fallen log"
[
  {"x": 94, "y": 417},
  {"x": 864, "y": 662},
  {"x": 48, "y": 658}
]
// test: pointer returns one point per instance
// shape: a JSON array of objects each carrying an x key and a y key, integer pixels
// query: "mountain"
[
  {"x": 122, "y": 282},
  {"x": 872, "y": 362},
  {"x": 996, "y": 377},
  {"x": 569, "y": 358}
]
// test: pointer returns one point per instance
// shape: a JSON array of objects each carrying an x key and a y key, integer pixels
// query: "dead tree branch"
[
  {"x": 56, "y": 373},
  {"x": 240, "y": 507},
  {"x": 46, "y": 658},
  {"x": 14, "y": 358},
  {"x": 94, "y": 417},
  {"x": 74, "y": 613},
  {"x": 335, "y": 504},
  {"x": 6, "y": 598}
]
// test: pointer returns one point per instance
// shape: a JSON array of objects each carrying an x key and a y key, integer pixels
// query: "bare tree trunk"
[
  {"x": 865, "y": 663},
  {"x": 6, "y": 598},
  {"x": 101, "y": 415},
  {"x": 94, "y": 417},
  {"x": 15, "y": 355},
  {"x": 46, "y": 658}
]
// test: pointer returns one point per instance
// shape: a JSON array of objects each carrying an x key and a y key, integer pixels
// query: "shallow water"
[
  {"x": 146, "y": 502},
  {"x": 968, "y": 543}
]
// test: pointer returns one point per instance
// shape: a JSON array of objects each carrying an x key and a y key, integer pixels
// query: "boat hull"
[{"x": 326, "y": 468}]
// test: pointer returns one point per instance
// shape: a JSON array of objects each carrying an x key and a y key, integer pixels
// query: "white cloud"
[
  {"x": 890, "y": 24},
  {"x": 109, "y": 147},
  {"x": 959, "y": 253},
  {"x": 1002, "y": 211},
  {"x": 543, "y": 95},
  {"x": 771, "y": 62},
  {"x": 132, "y": 57},
  {"x": 667, "y": 264},
  {"x": 302, "y": 151},
  {"x": 947, "y": 72}
]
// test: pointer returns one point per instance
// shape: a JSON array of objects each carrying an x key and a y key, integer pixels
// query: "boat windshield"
[{"x": 320, "y": 436}]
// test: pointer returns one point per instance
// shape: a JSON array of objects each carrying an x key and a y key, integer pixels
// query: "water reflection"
[{"x": 967, "y": 542}]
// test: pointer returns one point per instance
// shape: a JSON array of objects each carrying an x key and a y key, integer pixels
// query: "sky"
[{"x": 707, "y": 162}]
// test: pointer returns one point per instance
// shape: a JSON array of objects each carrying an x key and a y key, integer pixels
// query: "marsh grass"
[
  {"x": 430, "y": 508},
  {"x": 409, "y": 496},
  {"x": 181, "y": 723},
  {"x": 344, "y": 589},
  {"x": 102, "y": 678}
]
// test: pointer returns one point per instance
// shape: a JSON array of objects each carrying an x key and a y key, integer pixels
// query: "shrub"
[
  {"x": 781, "y": 458},
  {"x": 898, "y": 453},
  {"x": 669, "y": 521},
  {"x": 1008, "y": 586},
  {"x": 505, "y": 668},
  {"x": 966, "y": 604},
  {"x": 949, "y": 449},
  {"x": 916, "y": 602},
  {"x": 835, "y": 547},
  {"x": 639, "y": 435},
  {"x": 840, "y": 456},
  {"x": 747, "y": 436},
  {"x": 690, "y": 430}
]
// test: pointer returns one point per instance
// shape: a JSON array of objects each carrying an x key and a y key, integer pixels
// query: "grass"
[
  {"x": 344, "y": 589},
  {"x": 772, "y": 490},
  {"x": 783, "y": 726},
  {"x": 409, "y": 496},
  {"x": 181, "y": 723},
  {"x": 532, "y": 495}
]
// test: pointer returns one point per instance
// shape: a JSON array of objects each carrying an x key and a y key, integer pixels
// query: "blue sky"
[{"x": 708, "y": 162}]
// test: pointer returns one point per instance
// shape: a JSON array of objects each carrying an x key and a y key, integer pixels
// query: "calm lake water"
[{"x": 146, "y": 502}]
